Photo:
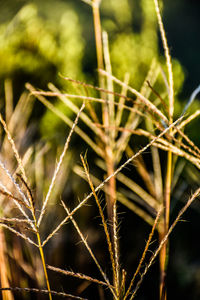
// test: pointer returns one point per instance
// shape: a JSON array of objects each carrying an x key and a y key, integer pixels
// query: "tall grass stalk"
[
  {"x": 108, "y": 115},
  {"x": 164, "y": 251},
  {"x": 28, "y": 200},
  {"x": 29, "y": 203}
]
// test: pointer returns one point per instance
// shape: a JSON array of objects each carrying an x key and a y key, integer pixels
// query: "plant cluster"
[{"x": 117, "y": 117}]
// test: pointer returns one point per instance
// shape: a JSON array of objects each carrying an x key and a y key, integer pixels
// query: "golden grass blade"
[
  {"x": 123, "y": 283},
  {"x": 10, "y": 196},
  {"x": 59, "y": 166},
  {"x": 106, "y": 230},
  {"x": 13, "y": 220},
  {"x": 116, "y": 246},
  {"x": 167, "y": 196},
  {"x": 168, "y": 61},
  {"x": 26, "y": 238},
  {"x": 159, "y": 97},
  {"x": 44, "y": 264},
  {"x": 77, "y": 275},
  {"x": 108, "y": 115},
  {"x": 28, "y": 191}
]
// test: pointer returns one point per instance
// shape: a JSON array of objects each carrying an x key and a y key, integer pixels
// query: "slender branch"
[
  {"x": 102, "y": 218},
  {"x": 77, "y": 275},
  {"x": 59, "y": 165},
  {"x": 168, "y": 61}
]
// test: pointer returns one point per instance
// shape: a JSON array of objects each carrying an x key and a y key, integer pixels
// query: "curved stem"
[{"x": 44, "y": 265}]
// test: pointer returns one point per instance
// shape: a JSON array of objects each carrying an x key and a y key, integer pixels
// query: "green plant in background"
[
  {"x": 34, "y": 43},
  {"x": 37, "y": 41},
  {"x": 38, "y": 44},
  {"x": 131, "y": 51},
  {"x": 134, "y": 40}
]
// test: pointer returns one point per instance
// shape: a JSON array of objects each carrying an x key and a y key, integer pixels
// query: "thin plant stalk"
[
  {"x": 23, "y": 179},
  {"x": 41, "y": 251},
  {"x": 98, "y": 38},
  {"x": 59, "y": 166},
  {"x": 167, "y": 198},
  {"x": 102, "y": 218},
  {"x": 111, "y": 200},
  {"x": 44, "y": 265},
  {"x": 29, "y": 200},
  {"x": 76, "y": 275}
]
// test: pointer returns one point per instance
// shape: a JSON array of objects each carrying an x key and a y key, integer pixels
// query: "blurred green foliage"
[
  {"x": 37, "y": 44},
  {"x": 43, "y": 39}
]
